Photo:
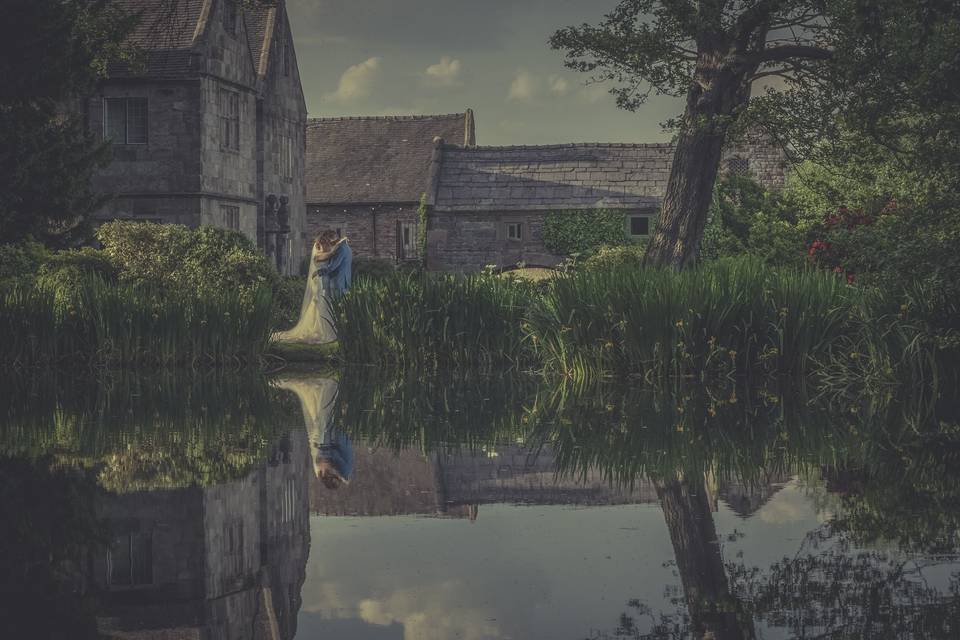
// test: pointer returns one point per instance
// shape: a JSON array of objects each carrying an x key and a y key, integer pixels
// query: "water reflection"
[{"x": 473, "y": 507}]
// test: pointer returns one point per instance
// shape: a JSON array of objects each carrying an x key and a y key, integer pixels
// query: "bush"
[
  {"x": 578, "y": 232},
  {"x": 616, "y": 257},
  {"x": 202, "y": 261},
  {"x": 20, "y": 262},
  {"x": 373, "y": 268}
]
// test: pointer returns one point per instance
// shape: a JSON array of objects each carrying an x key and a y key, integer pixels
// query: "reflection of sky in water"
[{"x": 517, "y": 572}]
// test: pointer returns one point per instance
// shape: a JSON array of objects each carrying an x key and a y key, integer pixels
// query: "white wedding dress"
[
  {"x": 315, "y": 325},
  {"x": 317, "y": 399}
]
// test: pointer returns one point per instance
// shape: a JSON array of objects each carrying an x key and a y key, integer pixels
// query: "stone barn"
[
  {"x": 209, "y": 128},
  {"x": 488, "y": 205},
  {"x": 366, "y": 175}
]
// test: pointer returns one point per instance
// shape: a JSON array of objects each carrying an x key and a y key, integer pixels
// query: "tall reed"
[
  {"x": 434, "y": 320},
  {"x": 727, "y": 316},
  {"x": 126, "y": 325}
]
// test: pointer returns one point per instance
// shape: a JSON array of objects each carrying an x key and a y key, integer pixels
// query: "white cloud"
[
  {"x": 559, "y": 86},
  {"x": 524, "y": 88},
  {"x": 445, "y": 73},
  {"x": 358, "y": 81},
  {"x": 594, "y": 93}
]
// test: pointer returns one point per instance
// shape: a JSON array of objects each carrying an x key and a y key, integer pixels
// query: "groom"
[{"x": 339, "y": 269}]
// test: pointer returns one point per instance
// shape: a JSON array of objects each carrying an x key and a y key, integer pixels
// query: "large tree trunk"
[
  {"x": 715, "y": 98},
  {"x": 714, "y": 612}
]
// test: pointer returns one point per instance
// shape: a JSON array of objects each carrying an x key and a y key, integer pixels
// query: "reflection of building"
[
  {"x": 221, "y": 562},
  {"x": 452, "y": 485}
]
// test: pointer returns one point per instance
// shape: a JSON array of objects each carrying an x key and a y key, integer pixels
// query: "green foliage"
[
  {"x": 53, "y": 52},
  {"x": 422, "y": 228},
  {"x": 130, "y": 324},
  {"x": 577, "y": 232},
  {"x": 431, "y": 320},
  {"x": 724, "y": 316},
  {"x": 373, "y": 268},
  {"x": 630, "y": 255},
  {"x": 202, "y": 261},
  {"x": 20, "y": 262}
]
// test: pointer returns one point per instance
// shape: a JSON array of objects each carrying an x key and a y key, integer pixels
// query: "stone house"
[
  {"x": 208, "y": 127},
  {"x": 366, "y": 175},
  {"x": 488, "y": 205}
]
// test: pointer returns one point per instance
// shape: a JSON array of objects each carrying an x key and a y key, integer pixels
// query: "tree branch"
[{"x": 787, "y": 52}]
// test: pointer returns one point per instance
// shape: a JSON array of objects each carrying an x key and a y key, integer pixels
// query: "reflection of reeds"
[
  {"x": 433, "y": 320},
  {"x": 127, "y": 325},
  {"x": 171, "y": 429}
]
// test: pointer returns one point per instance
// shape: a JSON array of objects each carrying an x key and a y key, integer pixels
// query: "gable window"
[
  {"x": 125, "y": 120},
  {"x": 515, "y": 231},
  {"x": 229, "y": 108},
  {"x": 130, "y": 560},
  {"x": 230, "y": 16},
  {"x": 639, "y": 226},
  {"x": 737, "y": 166},
  {"x": 231, "y": 216},
  {"x": 286, "y": 56}
]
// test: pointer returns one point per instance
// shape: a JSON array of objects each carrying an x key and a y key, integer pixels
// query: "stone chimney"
[{"x": 470, "y": 130}]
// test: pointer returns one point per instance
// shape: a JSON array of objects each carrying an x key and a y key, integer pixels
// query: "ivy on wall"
[
  {"x": 422, "y": 229},
  {"x": 582, "y": 231}
]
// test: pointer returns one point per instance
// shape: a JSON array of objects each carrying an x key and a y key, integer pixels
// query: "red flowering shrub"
[{"x": 828, "y": 254}]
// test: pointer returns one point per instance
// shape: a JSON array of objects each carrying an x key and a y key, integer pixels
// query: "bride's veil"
[{"x": 315, "y": 324}]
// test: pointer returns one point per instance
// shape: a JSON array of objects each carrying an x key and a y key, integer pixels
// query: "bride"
[{"x": 316, "y": 321}]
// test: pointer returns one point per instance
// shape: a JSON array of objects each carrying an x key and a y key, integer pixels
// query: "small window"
[
  {"x": 515, "y": 231},
  {"x": 231, "y": 216},
  {"x": 738, "y": 166},
  {"x": 408, "y": 241},
  {"x": 639, "y": 226},
  {"x": 229, "y": 119},
  {"x": 125, "y": 120},
  {"x": 230, "y": 16},
  {"x": 287, "y": 56},
  {"x": 130, "y": 560}
]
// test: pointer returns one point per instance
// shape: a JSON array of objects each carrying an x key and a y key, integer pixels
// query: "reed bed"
[
  {"x": 129, "y": 325},
  {"x": 434, "y": 320},
  {"x": 731, "y": 316}
]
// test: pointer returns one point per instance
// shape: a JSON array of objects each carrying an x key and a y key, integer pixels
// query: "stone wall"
[
  {"x": 767, "y": 163},
  {"x": 469, "y": 241},
  {"x": 372, "y": 229},
  {"x": 283, "y": 116}
]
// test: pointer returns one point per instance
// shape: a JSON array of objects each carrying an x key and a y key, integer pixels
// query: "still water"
[{"x": 365, "y": 506}]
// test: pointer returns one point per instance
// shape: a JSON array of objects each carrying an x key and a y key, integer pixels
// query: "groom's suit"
[{"x": 339, "y": 270}]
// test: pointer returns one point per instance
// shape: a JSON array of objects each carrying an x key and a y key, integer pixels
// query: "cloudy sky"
[{"x": 401, "y": 57}]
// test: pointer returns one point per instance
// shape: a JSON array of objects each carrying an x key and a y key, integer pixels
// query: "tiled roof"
[
  {"x": 569, "y": 176},
  {"x": 259, "y": 19},
  {"x": 165, "y": 32},
  {"x": 376, "y": 159}
]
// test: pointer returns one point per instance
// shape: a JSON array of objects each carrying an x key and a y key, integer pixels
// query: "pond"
[{"x": 360, "y": 504}]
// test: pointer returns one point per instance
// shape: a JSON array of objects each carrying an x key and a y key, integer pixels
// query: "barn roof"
[
  {"x": 566, "y": 176},
  {"x": 376, "y": 159}
]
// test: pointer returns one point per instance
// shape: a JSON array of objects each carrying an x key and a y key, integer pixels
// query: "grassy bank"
[
  {"x": 727, "y": 318},
  {"x": 97, "y": 323}
]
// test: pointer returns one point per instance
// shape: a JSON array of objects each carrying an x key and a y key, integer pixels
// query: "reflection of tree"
[
  {"x": 47, "y": 524},
  {"x": 840, "y": 592},
  {"x": 712, "y": 607}
]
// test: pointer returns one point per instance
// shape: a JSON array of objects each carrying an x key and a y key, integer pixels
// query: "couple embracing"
[{"x": 329, "y": 277}]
